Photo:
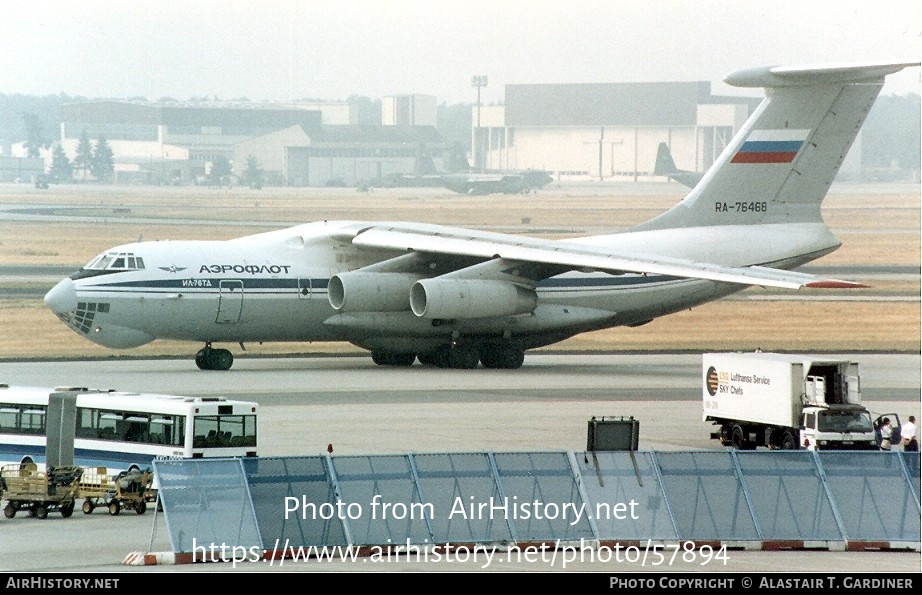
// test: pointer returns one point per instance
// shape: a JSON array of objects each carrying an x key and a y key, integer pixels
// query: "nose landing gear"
[{"x": 208, "y": 358}]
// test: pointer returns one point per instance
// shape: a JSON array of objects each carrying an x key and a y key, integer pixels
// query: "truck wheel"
[
  {"x": 9, "y": 511},
  {"x": 67, "y": 510},
  {"x": 738, "y": 438},
  {"x": 114, "y": 508},
  {"x": 88, "y": 506},
  {"x": 788, "y": 442},
  {"x": 140, "y": 507},
  {"x": 41, "y": 512}
]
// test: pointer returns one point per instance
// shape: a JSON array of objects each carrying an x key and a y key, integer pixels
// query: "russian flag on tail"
[{"x": 771, "y": 146}]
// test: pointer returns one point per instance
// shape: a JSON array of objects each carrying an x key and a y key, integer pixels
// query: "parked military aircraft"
[
  {"x": 497, "y": 181},
  {"x": 665, "y": 166},
  {"x": 458, "y": 297},
  {"x": 491, "y": 181}
]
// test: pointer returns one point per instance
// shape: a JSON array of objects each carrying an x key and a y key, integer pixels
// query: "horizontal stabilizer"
[{"x": 814, "y": 74}]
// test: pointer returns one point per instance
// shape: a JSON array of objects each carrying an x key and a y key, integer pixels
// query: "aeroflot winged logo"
[
  {"x": 172, "y": 269},
  {"x": 771, "y": 146}
]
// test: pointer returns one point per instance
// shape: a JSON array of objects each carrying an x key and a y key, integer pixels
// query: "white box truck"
[{"x": 784, "y": 401}]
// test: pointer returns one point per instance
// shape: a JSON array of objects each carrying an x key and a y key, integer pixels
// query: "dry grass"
[
  {"x": 773, "y": 326},
  {"x": 876, "y": 229}
]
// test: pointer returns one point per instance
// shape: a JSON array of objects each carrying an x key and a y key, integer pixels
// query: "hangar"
[
  {"x": 298, "y": 144},
  {"x": 607, "y": 131}
]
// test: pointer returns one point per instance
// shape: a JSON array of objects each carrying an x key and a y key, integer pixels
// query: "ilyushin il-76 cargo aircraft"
[{"x": 458, "y": 298}]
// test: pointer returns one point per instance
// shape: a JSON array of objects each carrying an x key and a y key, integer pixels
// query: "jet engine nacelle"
[
  {"x": 467, "y": 298},
  {"x": 370, "y": 292}
]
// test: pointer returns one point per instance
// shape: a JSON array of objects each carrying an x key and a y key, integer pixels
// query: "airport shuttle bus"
[{"x": 122, "y": 430}]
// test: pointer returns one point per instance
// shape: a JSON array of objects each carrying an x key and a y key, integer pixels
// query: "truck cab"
[{"x": 836, "y": 427}]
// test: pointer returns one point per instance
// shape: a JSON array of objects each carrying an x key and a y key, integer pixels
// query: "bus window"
[
  {"x": 9, "y": 420},
  {"x": 33, "y": 421},
  {"x": 106, "y": 426},
  {"x": 86, "y": 428},
  {"x": 136, "y": 429},
  {"x": 22, "y": 419},
  {"x": 167, "y": 429},
  {"x": 224, "y": 431}
]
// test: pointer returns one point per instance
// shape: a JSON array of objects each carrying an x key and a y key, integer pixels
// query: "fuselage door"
[
  {"x": 230, "y": 302},
  {"x": 304, "y": 289}
]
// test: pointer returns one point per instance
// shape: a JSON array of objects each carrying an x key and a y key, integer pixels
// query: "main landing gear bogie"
[
  {"x": 458, "y": 357},
  {"x": 209, "y": 358}
]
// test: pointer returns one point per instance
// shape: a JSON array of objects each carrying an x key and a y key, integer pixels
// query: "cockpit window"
[{"x": 116, "y": 261}]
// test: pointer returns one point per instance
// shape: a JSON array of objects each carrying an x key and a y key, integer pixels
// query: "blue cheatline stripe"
[
  {"x": 194, "y": 283},
  {"x": 322, "y": 284},
  {"x": 18, "y": 451}
]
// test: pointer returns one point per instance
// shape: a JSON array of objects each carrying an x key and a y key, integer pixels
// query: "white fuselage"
[{"x": 273, "y": 287}]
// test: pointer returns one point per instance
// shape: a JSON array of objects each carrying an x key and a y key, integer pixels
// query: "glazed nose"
[{"x": 62, "y": 298}]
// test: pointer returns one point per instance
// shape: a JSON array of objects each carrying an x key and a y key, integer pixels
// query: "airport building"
[
  {"x": 309, "y": 144},
  {"x": 606, "y": 131},
  {"x": 409, "y": 110},
  {"x": 23, "y": 169},
  {"x": 339, "y": 155},
  {"x": 583, "y": 132}
]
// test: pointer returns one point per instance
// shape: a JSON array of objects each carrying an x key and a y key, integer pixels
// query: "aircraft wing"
[{"x": 460, "y": 242}]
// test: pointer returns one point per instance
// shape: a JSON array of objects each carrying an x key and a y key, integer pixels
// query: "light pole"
[{"x": 479, "y": 81}]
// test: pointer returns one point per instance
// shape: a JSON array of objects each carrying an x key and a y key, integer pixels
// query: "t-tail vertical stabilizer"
[{"x": 779, "y": 167}]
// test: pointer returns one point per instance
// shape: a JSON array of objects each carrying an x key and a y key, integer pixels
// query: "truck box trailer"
[{"x": 785, "y": 401}]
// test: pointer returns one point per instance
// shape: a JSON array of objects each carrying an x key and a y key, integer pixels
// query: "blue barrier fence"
[{"x": 760, "y": 499}]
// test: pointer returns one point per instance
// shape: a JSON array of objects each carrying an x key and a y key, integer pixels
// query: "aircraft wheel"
[
  {"x": 403, "y": 359},
  {"x": 511, "y": 358},
  {"x": 440, "y": 357},
  {"x": 426, "y": 359},
  {"x": 463, "y": 358},
  {"x": 220, "y": 359},
  {"x": 506, "y": 357},
  {"x": 202, "y": 358},
  {"x": 488, "y": 357},
  {"x": 389, "y": 358}
]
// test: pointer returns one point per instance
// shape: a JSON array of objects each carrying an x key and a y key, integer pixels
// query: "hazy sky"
[{"x": 279, "y": 50}]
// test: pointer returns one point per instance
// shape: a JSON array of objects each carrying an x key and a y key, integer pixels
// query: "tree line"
[{"x": 92, "y": 161}]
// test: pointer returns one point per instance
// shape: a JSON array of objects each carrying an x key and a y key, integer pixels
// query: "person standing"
[
  {"x": 908, "y": 435},
  {"x": 886, "y": 434}
]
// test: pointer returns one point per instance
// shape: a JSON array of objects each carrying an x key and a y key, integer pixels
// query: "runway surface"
[{"x": 360, "y": 408}]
